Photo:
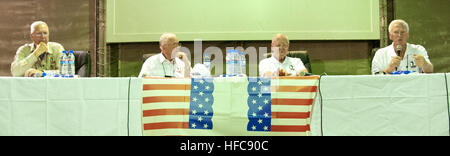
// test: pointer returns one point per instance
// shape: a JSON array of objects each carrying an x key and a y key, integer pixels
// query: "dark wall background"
[
  {"x": 332, "y": 57},
  {"x": 68, "y": 22},
  {"x": 428, "y": 19},
  {"x": 429, "y": 22},
  {"x": 73, "y": 24}
]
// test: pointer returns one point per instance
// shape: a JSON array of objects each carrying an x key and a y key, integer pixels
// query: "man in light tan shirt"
[{"x": 32, "y": 59}]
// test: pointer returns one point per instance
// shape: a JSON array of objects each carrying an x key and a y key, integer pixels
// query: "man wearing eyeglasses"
[
  {"x": 279, "y": 64},
  {"x": 168, "y": 62},
  {"x": 32, "y": 59},
  {"x": 400, "y": 55}
]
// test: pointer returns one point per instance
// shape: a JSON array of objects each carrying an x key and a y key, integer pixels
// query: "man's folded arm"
[{"x": 22, "y": 63}]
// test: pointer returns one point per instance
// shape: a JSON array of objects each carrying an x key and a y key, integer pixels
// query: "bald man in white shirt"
[
  {"x": 169, "y": 63},
  {"x": 279, "y": 64}
]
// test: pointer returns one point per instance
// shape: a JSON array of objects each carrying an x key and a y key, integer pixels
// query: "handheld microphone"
[{"x": 398, "y": 50}]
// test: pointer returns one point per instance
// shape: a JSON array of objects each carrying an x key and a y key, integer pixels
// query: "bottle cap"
[{"x": 232, "y": 51}]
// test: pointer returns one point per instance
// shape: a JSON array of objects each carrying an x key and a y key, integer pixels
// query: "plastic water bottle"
[
  {"x": 243, "y": 64},
  {"x": 63, "y": 64},
  {"x": 231, "y": 63},
  {"x": 237, "y": 66},
  {"x": 228, "y": 63},
  {"x": 236, "y": 63},
  {"x": 71, "y": 64},
  {"x": 207, "y": 61}
]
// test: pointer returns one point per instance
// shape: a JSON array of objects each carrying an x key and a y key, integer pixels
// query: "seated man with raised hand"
[
  {"x": 400, "y": 55},
  {"x": 279, "y": 64},
  {"x": 169, "y": 63},
  {"x": 38, "y": 56}
]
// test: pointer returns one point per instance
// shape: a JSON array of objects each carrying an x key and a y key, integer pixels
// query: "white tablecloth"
[
  {"x": 382, "y": 105},
  {"x": 448, "y": 92},
  {"x": 352, "y": 105},
  {"x": 84, "y": 106}
]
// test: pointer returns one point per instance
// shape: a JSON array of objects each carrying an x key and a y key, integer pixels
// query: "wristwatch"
[{"x": 380, "y": 73}]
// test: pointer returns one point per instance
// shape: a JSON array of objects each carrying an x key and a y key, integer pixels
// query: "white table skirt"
[
  {"x": 382, "y": 105},
  {"x": 84, "y": 106},
  {"x": 352, "y": 105}
]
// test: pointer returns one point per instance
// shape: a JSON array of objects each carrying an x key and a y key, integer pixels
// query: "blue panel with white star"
[
  {"x": 201, "y": 101},
  {"x": 259, "y": 102}
]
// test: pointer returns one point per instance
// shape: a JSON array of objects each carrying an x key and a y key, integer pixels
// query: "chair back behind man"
[
  {"x": 82, "y": 63},
  {"x": 302, "y": 55}
]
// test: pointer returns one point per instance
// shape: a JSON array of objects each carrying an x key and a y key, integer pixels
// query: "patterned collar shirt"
[
  {"x": 292, "y": 66},
  {"x": 25, "y": 60},
  {"x": 159, "y": 66}
]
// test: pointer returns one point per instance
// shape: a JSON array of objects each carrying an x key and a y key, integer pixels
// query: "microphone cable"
[
  {"x": 448, "y": 102},
  {"x": 321, "y": 103}
]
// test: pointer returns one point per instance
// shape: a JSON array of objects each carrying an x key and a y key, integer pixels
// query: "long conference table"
[{"x": 343, "y": 106}]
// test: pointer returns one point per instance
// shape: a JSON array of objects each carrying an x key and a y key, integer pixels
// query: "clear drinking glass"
[{"x": 412, "y": 66}]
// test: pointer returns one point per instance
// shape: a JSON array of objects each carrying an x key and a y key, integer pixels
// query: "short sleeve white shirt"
[
  {"x": 290, "y": 65},
  {"x": 383, "y": 57},
  {"x": 159, "y": 66}
]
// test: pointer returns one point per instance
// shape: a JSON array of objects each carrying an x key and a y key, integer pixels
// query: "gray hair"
[
  {"x": 35, "y": 24},
  {"x": 165, "y": 38},
  {"x": 281, "y": 38},
  {"x": 399, "y": 21}
]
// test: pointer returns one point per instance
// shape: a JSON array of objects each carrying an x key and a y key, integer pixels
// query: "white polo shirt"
[
  {"x": 383, "y": 58},
  {"x": 290, "y": 65},
  {"x": 159, "y": 66}
]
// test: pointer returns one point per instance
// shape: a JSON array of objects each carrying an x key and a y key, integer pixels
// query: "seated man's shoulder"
[
  {"x": 153, "y": 58},
  {"x": 26, "y": 47},
  {"x": 295, "y": 60},
  {"x": 24, "y": 50},
  {"x": 54, "y": 44},
  {"x": 384, "y": 49},
  {"x": 417, "y": 47},
  {"x": 266, "y": 60}
]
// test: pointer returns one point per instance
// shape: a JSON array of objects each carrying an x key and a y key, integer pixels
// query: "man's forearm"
[
  {"x": 389, "y": 70},
  {"x": 19, "y": 67},
  {"x": 428, "y": 68}
]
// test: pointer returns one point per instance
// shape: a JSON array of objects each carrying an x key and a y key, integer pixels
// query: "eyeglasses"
[
  {"x": 399, "y": 33},
  {"x": 41, "y": 34},
  {"x": 282, "y": 48}
]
